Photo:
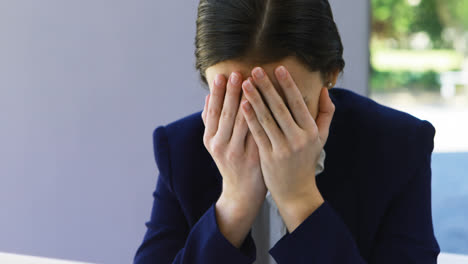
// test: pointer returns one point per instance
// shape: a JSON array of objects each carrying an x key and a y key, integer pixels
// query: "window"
[{"x": 419, "y": 64}]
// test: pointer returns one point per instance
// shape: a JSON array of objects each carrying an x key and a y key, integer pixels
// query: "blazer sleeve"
[
  {"x": 168, "y": 238},
  {"x": 405, "y": 236}
]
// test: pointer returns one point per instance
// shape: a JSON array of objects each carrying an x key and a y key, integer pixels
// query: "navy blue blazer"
[{"x": 376, "y": 186}]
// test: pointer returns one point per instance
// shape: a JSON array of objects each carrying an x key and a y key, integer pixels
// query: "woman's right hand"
[{"x": 229, "y": 141}]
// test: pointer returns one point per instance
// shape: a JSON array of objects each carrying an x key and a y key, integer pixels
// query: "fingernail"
[
  {"x": 218, "y": 80},
  {"x": 282, "y": 72},
  {"x": 246, "y": 105},
  {"x": 258, "y": 72},
  {"x": 234, "y": 78},
  {"x": 247, "y": 85}
]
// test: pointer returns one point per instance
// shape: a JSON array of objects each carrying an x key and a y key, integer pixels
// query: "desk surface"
[
  {"x": 23, "y": 259},
  {"x": 448, "y": 258},
  {"x": 444, "y": 258}
]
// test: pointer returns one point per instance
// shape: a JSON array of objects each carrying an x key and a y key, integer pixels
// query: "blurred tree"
[
  {"x": 399, "y": 19},
  {"x": 416, "y": 24},
  {"x": 427, "y": 19},
  {"x": 391, "y": 18},
  {"x": 454, "y": 13}
]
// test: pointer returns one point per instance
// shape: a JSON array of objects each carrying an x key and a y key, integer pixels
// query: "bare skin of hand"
[
  {"x": 233, "y": 148},
  {"x": 289, "y": 141}
]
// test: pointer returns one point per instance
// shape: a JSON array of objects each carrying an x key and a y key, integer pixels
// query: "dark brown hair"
[{"x": 266, "y": 31}]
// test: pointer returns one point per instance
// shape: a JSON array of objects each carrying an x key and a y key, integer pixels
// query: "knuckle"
[
  {"x": 226, "y": 114},
  {"x": 299, "y": 145},
  {"x": 241, "y": 120},
  {"x": 265, "y": 119},
  {"x": 283, "y": 153},
  {"x": 213, "y": 111},
  {"x": 206, "y": 140},
  {"x": 232, "y": 156},
  {"x": 282, "y": 110},
  {"x": 314, "y": 133},
  {"x": 266, "y": 86},
  {"x": 257, "y": 130},
  {"x": 256, "y": 98},
  {"x": 298, "y": 102},
  {"x": 287, "y": 84},
  {"x": 237, "y": 120},
  {"x": 216, "y": 148}
]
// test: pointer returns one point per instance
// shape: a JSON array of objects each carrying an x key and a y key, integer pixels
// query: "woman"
[{"x": 247, "y": 180}]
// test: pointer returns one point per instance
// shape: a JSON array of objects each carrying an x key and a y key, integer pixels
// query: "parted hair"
[{"x": 266, "y": 31}]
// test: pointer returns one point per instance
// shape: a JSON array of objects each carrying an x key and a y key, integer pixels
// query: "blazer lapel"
[{"x": 338, "y": 182}]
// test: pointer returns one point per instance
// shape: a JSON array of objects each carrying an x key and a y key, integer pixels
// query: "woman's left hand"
[{"x": 289, "y": 147}]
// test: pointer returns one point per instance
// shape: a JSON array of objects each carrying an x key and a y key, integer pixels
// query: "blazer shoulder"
[
  {"x": 176, "y": 142},
  {"x": 383, "y": 129},
  {"x": 181, "y": 137},
  {"x": 390, "y": 140},
  {"x": 373, "y": 118},
  {"x": 185, "y": 131}
]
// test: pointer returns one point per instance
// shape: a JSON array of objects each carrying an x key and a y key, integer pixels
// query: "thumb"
[{"x": 325, "y": 115}]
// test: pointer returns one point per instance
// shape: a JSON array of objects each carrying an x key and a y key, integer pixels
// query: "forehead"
[{"x": 297, "y": 70}]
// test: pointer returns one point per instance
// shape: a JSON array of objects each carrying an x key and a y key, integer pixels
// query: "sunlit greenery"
[
  {"x": 413, "y": 41},
  {"x": 416, "y": 60}
]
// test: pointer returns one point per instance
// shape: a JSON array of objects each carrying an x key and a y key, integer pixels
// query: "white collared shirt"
[{"x": 269, "y": 227}]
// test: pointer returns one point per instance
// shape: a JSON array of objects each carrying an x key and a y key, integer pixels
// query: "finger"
[
  {"x": 240, "y": 131},
  {"x": 275, "y": 103},
  {"x": 215, "y": 105},
  {"x": 230, "y": 107},
  {"x": 257, "y": 130},
  {"x": 251, "y": 147},
  {"x": 205, "y": 108},
  {"x": 263, "y": 114},
  {"x": 294, "y": 99},
  {"x": 325, "y": 115}
]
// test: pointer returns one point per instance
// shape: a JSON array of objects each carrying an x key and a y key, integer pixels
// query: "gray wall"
[
  {"x": 82, "y": 86},
  {"x": 353, "y": 19}
]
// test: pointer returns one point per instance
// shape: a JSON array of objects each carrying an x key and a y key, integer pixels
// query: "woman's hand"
[
  {"x": 290, "y": 146},
  {"x": 228, "y": 140}
]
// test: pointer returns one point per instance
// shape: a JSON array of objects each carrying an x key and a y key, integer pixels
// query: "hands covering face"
[
  {"x": 289, "y": 147},
  {"x": 288, "y": 138}
]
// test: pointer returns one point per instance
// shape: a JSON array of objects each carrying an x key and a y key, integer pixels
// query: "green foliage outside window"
[{"x": 440, "y": 28}]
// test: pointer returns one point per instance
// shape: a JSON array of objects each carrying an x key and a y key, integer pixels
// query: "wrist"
[
  {"x": 303, "y": 194},
  {"x": 294, "y": 212},
  {"x": 233, "y": 219},
  {"x": 241, "y": 198},
  {"x": 238, "y": 206}
]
